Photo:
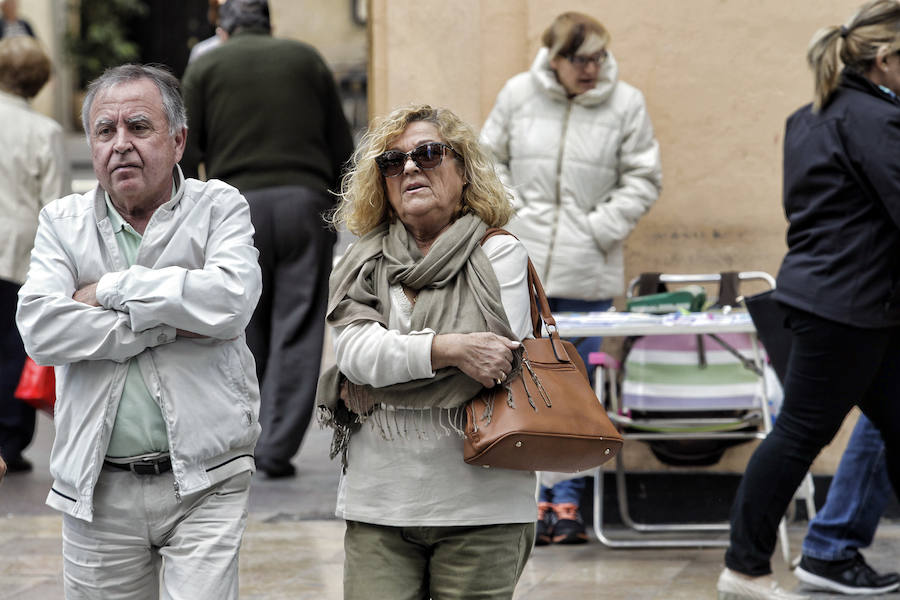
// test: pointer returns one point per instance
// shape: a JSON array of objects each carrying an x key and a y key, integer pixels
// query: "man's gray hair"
[
  {"x": 244, "y": 14},
  {"x": 166, "y": 83}
]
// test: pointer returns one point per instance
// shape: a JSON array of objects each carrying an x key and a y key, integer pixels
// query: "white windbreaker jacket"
[
  {"x": 581, "y": 171},
  {"x": 196, "y": 270}
]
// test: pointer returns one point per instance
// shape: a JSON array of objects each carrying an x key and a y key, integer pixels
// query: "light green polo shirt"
[{"x": 139, "y": 428}]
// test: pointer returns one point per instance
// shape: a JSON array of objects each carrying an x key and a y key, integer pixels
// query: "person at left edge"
[
  {"x": 33, "y": 173},
  {"x": 139, "y": 292}
]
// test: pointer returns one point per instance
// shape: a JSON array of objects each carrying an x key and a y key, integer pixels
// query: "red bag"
[{"x": 37, "y": 386}]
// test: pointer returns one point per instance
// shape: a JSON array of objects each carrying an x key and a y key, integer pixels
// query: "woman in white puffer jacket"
[{"x": 575, "y": 147}]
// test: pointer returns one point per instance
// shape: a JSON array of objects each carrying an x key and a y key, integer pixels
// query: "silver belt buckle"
[
  {"x": 144, "y": 464},
  {"x": 147, "y": 467}
]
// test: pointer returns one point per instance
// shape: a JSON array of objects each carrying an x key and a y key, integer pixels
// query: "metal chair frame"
[{"x": 704, "y": 534}]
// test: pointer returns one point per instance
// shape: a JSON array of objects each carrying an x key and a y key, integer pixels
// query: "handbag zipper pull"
[{"x": 539, "y": 385}]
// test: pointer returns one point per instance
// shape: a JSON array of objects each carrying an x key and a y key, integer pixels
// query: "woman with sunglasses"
[
  {"x": 425, "y": 314},
  {"x": 575, "y": 146},
  {"x": 840, "y": 285}
]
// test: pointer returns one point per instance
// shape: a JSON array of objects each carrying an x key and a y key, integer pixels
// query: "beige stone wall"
[
  {"x": 326, "y": 25},
  {"x": 720, "y": 77}
]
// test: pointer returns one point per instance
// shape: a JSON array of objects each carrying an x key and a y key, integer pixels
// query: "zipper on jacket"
[
  {"x": 545, "y": 277},
  {"x": 107, "y": 433},
  {"x": 163, "y": 410}
]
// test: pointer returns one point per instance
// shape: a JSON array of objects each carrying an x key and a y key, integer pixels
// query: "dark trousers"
[
  {"x": 831, "y": 367},
  {"x": 16, "y": 418},
  {"x": 287, "y": 329}
]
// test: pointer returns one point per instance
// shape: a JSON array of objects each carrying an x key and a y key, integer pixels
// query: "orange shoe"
[
  {"x": 569, "y": 528},
  {"x": 545, "y": 522}
]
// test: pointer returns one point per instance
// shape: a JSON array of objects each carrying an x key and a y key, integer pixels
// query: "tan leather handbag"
[{"x": 547, "y": 417}]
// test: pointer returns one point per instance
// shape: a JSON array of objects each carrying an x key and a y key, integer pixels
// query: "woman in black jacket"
[{"x": 839, "y": 281}]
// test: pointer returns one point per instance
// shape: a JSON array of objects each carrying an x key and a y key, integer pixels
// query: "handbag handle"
[
  {"x": 540, "y": 306},
  {"x": 540, "y": 303}
]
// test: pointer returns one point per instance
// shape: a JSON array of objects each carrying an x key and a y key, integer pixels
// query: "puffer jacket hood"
[{"x": 545, "y": 77}]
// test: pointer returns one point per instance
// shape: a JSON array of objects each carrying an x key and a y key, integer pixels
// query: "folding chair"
[{"x": 720, "y": 395}]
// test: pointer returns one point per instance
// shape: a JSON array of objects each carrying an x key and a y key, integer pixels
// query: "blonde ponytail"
[
  {"x": 823, "y": 56},
  {"x": 875, "y": 25}
]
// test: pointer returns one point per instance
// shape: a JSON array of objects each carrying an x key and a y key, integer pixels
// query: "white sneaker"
[{"x": 735, "y": 586}]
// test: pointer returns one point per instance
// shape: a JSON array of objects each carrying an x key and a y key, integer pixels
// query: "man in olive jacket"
[{"x": 265, "y": 117}]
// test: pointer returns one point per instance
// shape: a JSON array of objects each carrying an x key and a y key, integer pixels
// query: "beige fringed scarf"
[{"x": 458, "y": 292}]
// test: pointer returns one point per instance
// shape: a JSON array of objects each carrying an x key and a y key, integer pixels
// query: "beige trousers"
[{"x": 145, "y": 544}]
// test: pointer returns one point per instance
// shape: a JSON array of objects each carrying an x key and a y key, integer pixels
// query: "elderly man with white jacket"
[
  {"x": 139, "y": 292},
  {"x": 575, "y": 147}
]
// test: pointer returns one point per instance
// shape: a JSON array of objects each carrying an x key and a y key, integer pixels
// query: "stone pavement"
[{"x": 293, "y": 546}]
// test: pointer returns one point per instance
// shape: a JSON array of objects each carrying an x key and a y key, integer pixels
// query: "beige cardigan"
[{"x": 33, "y": 172}]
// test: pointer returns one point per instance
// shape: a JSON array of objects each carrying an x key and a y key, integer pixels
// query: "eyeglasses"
[
  {"x": 427, "y": 156},
  {"x": 581, "y": 61}
]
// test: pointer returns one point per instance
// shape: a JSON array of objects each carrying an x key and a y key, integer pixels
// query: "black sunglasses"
[{"x": 427, "y": 156}]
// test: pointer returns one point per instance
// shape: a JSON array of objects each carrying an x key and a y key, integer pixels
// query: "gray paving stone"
[{"x": 293, "y": 546}]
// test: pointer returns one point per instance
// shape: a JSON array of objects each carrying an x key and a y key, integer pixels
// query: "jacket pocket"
[
  {"x": 237, "y": 378},
  {"x": 213, "y": 412}
]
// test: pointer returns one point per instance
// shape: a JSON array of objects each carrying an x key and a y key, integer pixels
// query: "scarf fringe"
[
  {"x": 342, "y": 423},
  {"x": 405, "y": 424}
]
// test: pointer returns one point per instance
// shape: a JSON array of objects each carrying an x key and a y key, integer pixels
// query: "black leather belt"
[{"x": 144, "y": 467}]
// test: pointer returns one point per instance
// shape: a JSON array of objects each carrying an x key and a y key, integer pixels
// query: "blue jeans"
[
  {"x": 856, "y": 499},
  {"x": 564, "y": 492},
  {"x": 570, "y": 490}
]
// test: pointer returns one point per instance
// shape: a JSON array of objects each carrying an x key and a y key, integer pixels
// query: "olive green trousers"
[{"x": 442, "y": 563}]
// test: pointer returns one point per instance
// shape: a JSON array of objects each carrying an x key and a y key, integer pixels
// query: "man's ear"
[{"x": 180, "y": 141}]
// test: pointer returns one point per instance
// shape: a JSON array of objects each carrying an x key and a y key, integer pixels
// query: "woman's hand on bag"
[{"x": 483, "y": 356}]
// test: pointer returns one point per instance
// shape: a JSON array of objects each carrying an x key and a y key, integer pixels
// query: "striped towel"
[{"x": 664, "y": 373}]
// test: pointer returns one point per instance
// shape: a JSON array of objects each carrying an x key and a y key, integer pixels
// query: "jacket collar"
[
  {"x": 177, "y": 195},
  {"x": 8, "y": 98},
  {"x": 854, "y": 80},
  {"x": 248, "y": 31},
  {"x": 545, "y": 78}
]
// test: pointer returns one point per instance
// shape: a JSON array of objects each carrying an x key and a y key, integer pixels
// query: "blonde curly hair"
[{"x": 363, "y": 203}]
